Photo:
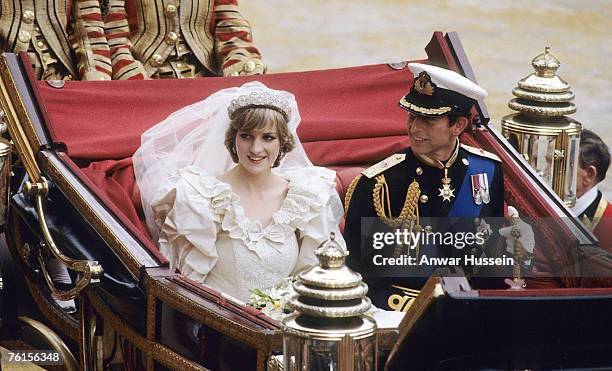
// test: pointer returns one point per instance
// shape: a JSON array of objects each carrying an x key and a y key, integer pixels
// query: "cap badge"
[{"x": 423, "y": 84}]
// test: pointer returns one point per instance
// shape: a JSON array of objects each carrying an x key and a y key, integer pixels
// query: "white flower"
[
  {"x": 273, "y": 302},
  {"x": 273, "y": 310}
]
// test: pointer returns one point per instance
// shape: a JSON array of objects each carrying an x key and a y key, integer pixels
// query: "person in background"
[
  {"x": 64, "y": 39},
  {"x": 180, "y": 39},
  {"x": 591, "y": 206}
]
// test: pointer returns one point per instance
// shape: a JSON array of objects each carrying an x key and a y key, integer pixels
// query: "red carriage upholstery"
[{"x": 350, "y": 119}]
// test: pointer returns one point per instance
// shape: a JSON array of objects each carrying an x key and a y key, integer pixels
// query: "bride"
[{"x": 229, "y": 193}]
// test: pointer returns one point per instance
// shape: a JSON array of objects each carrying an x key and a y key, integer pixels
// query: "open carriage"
[{"x": 72, "y": 196}]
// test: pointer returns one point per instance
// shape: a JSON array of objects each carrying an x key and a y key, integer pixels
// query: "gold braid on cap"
[
  {"x": 427, "y": 111},
  {"x": 260, "y": 99}
]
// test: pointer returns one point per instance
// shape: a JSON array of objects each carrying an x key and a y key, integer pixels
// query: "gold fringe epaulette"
[
  {"x": 382, "y": 202},
  {"x": 350, "y": 191},
  {"x": 385, "y": 164},
  {"x": 408, "y": 217},
  {"x": 480, "y": 152}
]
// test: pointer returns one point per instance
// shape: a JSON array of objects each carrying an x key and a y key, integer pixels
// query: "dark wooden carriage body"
[{"x": 79, "y": 137}]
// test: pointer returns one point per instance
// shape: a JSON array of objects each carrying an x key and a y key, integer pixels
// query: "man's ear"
[
  {"x": 459, "y": 125},
  {"x": 591, "y": 175}
]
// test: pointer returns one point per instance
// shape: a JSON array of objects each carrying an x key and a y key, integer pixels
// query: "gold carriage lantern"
[
  {"x": 541, "y": 131},
  {"x": 328, "y": 330}
]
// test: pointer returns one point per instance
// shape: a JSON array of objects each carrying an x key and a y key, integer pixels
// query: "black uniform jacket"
[{"x": 432, "y": 210}]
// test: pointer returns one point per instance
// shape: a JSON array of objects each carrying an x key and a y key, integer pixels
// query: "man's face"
[
  {"x": 432, "y": 137},
  {"x": 580, "y": 174},
  {"x": 586, "y": 178}
]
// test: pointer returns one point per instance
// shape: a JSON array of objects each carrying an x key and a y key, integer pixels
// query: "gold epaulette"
[
  {"x": 349, "y": 192},
  {"x": 385, "y": 164},
  {"x": 480, "y": 152}
]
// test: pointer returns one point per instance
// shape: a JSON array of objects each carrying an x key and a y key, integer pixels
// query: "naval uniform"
[
  {"x": 395, "y": 176},
  {"x": 420, "y": 202}
]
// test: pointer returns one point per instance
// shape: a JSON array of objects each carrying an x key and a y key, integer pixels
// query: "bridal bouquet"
[{"x": 273, "y": 302}]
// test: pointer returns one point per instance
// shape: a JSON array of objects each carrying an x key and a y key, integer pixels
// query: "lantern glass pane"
[
  {"x": 309, "y": 354},
  {"x": 540, "y": 150},
  {"x": 571, "y": 167},
  {"x": 303, "y": 354},
  {"x": 364, "y": 354}
]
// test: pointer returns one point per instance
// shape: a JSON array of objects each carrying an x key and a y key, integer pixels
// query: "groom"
[{"x": 419, "y": 189}]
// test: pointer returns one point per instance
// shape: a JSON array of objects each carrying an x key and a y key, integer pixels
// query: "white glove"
[
  {"x": 94, "y": 75},
  {"x": 245, "y": 68},
  {"x": 521, "y": 231}
]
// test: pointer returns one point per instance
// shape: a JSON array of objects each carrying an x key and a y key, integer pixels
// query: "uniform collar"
[
  {"x": 583, "y": 202},
  {"x": 436, "y": 163}
]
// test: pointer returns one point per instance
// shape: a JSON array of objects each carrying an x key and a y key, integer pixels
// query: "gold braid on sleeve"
[{"x": 350, "y": 191}]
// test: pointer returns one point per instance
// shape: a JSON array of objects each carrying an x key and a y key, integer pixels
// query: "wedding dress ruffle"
[{"x": 205, "y": 233}]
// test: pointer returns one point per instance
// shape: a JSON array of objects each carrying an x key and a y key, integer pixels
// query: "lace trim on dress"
[{"x": 308, "y": 192}]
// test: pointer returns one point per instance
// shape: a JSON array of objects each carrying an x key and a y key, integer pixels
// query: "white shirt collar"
[{"x": 584, "y": 201}]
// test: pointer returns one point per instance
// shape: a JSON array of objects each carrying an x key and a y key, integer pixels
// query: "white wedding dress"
[{"x": 205, "y": 234}]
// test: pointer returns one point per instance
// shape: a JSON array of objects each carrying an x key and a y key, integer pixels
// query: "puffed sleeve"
[
  {"x": 186, "y": 219},
  {"x": 320, "y": 216}
]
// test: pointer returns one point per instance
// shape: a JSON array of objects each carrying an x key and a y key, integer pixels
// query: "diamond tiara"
[{"x": 260, "y": 99}]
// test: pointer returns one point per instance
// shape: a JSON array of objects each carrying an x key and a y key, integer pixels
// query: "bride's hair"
[{"x": 258, "y": 118}]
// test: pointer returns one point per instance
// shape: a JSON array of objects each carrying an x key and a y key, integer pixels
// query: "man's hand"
[
  {"x": 249, "y": 67},
  {"x": 93, "y": 75},
  {"x": 521, "y": 233}
]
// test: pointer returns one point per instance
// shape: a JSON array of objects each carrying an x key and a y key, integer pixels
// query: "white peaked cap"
[{"x": 450, "y": 80}]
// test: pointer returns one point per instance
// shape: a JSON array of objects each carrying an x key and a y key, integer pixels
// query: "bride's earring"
[
  {"x": 234, "y": 153},
  {"x": 281, "y": 154}
]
